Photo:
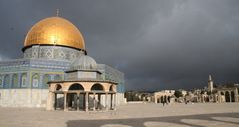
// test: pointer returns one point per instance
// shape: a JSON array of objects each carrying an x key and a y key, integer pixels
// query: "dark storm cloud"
[{"x": 164, "y": 44}]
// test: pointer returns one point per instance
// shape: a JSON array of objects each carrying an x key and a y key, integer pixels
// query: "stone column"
[
  {"x": 111, "y": 101},
  {"x": 106, "y": 102},
  {"x": 155, "y": 99},
  {"x": 65, "y": 102},
  {"x": 78, "y": 102},
  {"x": 236, "y": 95},
  {"x": 50, "y": 102},
  {"x": 94, "y": 101},
  {"x": 99, "y": 101},
  {"x": 86, "y": 101}
]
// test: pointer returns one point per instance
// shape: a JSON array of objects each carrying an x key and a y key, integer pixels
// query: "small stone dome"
[{"x": 84, "y": 63}]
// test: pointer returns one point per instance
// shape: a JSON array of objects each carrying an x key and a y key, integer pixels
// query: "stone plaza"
[{"x": 128, "y": 115}]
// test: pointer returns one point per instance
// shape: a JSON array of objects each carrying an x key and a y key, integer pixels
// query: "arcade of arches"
[
  {"x": 82, "y": 95},
  {"x": 228, "y": 95}
]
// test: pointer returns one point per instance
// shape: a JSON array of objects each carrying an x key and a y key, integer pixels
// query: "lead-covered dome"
[
  {"x": 84, "y": 63},
  {"x": 55, "y": 31}
]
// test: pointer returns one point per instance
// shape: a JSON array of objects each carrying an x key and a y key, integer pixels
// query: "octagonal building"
[{"x": 53, "y": 49}]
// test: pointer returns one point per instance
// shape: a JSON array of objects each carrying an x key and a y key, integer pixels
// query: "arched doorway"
[
  {"x": 227, "y": 96},
  {"x": 74, "y": 97},
  {"x": 232, "y": 96},
  {"x": 59, "y": 98},
  {"x": 165, "y": 99},
  {"x": 161, "y": 99},
  {"x": 95, "y": 101}
]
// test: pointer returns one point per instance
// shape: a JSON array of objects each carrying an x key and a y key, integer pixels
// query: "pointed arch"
[
  {"x": 35, "y": 80},
  {"x": 24, "y": 80},
  {"x": 6, "y": 81},
  {"x": 46, "y": 79},
  {"x": 15, "y": 80}
]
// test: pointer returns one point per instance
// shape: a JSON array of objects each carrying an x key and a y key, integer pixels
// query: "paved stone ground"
[{"x": 130, "y": 115}]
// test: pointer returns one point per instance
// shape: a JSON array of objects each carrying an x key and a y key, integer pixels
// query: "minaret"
[{"x": 210, "y": 84}]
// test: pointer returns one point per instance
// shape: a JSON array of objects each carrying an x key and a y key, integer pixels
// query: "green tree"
[{"x": 178, "y": 94}]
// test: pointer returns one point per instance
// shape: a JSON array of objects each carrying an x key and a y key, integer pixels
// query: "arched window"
[
  {"x": 1, "y": 80},
  {"x": 15, "y": 80},
  {"x": 35, "y": 80},
  {"x": 46, "y": 79},
  {"x": 227, "y": 96},
  {"x": 6, "y": 81},
  {"x": 24, "y": 80},
  {"x": 76, "y": 86},
  {"x": 97, "y": 87}
]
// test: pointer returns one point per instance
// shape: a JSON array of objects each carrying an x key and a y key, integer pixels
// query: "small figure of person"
[{"x": 186, "y": 102}]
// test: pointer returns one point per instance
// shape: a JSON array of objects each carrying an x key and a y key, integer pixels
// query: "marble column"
[
  {"x": 106, "y": 102},
  {"x": 50, "y": 101},
  {"x": 78, "y": 102},
  {"x": 65, "y": 102},
  {"x": 114, "y": 102},
  {"x": 86, "y": 101},
  {"x": 99, "y": 101},
  {"x": 94, "y": 101}
]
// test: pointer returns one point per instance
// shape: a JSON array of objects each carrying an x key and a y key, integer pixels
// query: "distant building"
[
  {"x": 221, "y": 93},
  {"x": 164, "y": 96},
  {"x": 138, "y": 96}
]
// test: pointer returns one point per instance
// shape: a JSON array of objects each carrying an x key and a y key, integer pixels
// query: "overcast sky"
[{"x": 158, "y": 44}]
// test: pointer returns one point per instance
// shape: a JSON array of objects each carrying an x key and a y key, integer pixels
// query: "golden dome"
[{"x": 55, "y": 31}]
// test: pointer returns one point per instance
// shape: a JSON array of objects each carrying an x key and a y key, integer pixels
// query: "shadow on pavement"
[{"x": 139, "y": 122}]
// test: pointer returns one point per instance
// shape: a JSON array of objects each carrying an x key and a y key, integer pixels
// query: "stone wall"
[{"x": 23, "y": 97}]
